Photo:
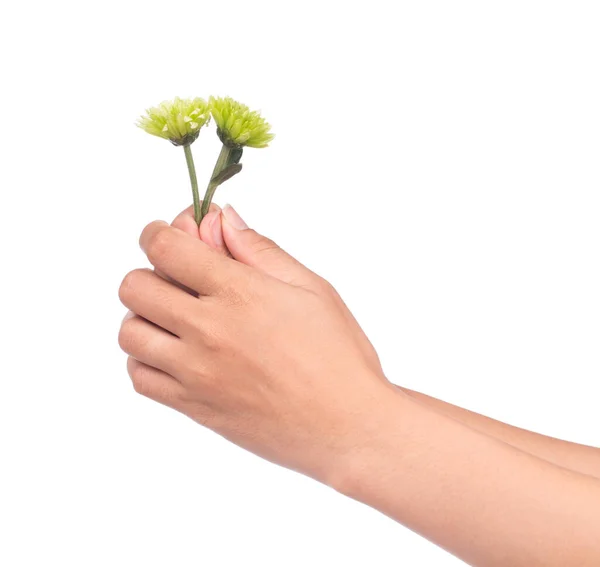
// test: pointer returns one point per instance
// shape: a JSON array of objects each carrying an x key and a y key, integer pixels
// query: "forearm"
[
  {"x": 580, "y": 458},
  {"x": 481, "y": 499}
]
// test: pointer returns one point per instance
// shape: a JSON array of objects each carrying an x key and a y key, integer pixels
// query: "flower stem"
[
  {"x": 212, "y": 187},
  {"x": 192, "y": 171}
]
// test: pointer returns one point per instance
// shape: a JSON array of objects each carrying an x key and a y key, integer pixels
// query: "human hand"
[
  {"x": 209, "y": 231},
  {"x": 267, "y": 355}
]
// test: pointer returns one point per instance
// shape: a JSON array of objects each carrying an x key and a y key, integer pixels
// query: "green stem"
[
  {"x": 210, "y": 190},
  {"x": 192, "y": 171}
]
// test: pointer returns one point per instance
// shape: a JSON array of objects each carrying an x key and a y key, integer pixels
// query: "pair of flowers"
[{"x": 180, "y": 122}]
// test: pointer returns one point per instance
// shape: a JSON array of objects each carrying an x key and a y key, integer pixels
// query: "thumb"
[
  {"x": 210, "y": 227},
  {"x": 253, "y": 249}
]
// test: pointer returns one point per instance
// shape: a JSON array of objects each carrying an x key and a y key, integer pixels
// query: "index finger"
[
  {"x": 188, "y": 260},
  {"x": 185, "y": 220}
]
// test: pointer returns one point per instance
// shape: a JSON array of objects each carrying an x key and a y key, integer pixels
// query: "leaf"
[
  {"x": 226, "y": 174},
  {"x": 235, "y": 155}
]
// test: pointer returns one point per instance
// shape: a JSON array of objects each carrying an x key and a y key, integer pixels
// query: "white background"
[{"x": 437, "y": 161}]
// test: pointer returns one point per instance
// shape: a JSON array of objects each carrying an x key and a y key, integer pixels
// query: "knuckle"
[
  {"x": 237, "y": 291},
  {"x": 125, "y": 289},
  {"x": 213, "y": 340},
  {"x": 145, "y": 384},
  {"x": 239, "y": 297},
  {"x": 323, "y": 287},
  {"x": 264, "y": 245},
  {"x": 159, "y": 244},
  {"x": 233, "y": 297},
  {"x": 129, "y": 285},
  {"x": 127, "y": 336},
  {"x": 139, "y": 381}
]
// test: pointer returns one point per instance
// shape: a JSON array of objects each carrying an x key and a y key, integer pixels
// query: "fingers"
[
  {"x": 167, "y": 278},
  {"x": 151, "y": 345},
  {"x": 188, "y": 261},
  {"x": 253, "y": 249},
  {"x": 210, "y": 228},
  {"x": 212, "y": 234},
  {"x": 155, "y": 384},
  {"x": 185, "y": 219},
  {"x": 158, "y": 301}
]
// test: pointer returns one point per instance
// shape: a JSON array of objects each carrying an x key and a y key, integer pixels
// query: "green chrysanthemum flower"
[
  {"x": 238, "y": 126},
  {"x": 178, "y": 121}
]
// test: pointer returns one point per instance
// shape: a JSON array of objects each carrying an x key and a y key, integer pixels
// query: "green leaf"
[
  {"x": 226, "y": 174},
  {"x": 235, "y": 155}
]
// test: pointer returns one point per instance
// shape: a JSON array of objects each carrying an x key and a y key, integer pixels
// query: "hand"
[
  {"x": 210, "y": 231},
  {"x": 266, "y": 355}
]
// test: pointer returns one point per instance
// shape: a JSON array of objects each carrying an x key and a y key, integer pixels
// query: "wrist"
[{"x": 370, "y": 438}]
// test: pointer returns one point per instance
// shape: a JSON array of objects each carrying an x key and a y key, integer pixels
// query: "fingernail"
[
  {"x": 215, "y": 230},
  {"x": 233, "y": 218}
]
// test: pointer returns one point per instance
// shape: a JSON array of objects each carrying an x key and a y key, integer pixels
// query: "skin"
[{"x": 235, "y": 333}]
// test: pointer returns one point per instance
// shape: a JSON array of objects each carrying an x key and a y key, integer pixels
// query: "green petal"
[{"x": 178, "y": 120}]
